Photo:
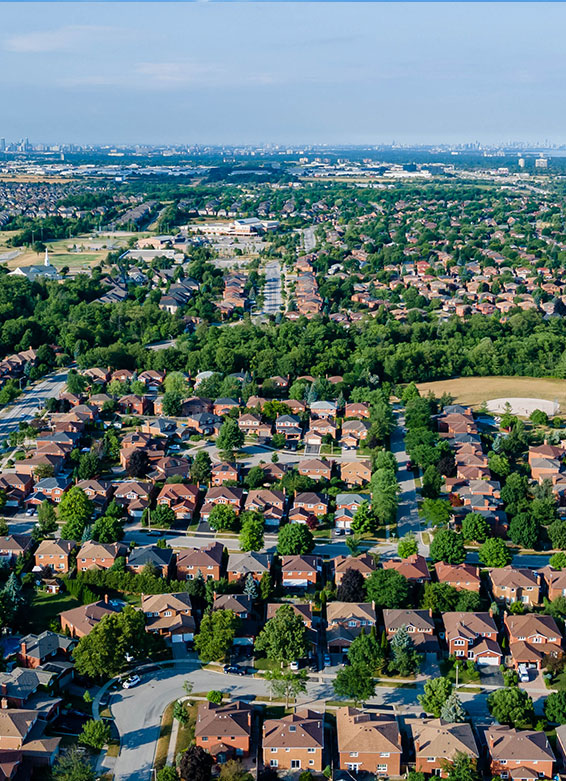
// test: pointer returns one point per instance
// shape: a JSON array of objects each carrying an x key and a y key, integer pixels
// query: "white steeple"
[{"x": 46, "y": 261}]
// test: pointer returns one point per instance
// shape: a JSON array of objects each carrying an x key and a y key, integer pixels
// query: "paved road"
[
  {"x": 309, "y": 239},
  {"x": 408, "y": 521},
  {"x": 26, "y": 406},
  {"x": 272, "y": 299}
]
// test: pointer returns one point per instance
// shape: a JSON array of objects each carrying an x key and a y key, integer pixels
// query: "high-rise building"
[{"x": 541, "y": 162}]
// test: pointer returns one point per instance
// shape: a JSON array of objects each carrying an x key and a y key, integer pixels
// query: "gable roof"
[
  {"x": 437, "y": 738},
  {"x": 367, "y": 732}
]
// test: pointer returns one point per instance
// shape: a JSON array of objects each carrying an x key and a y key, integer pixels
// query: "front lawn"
[
  {"x": 45, "y": 607},
  {"x": 465, "y": 674}
]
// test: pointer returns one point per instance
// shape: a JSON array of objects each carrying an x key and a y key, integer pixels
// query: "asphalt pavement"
[
  {"x": 32, "y": 399},
  {"x": 272, "y": 299}
]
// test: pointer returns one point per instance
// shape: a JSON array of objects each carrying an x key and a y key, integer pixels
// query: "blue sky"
[{"x": 282, "y": 72}]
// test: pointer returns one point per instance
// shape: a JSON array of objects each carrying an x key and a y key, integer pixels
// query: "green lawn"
[
  {"x": 559, "y": 682},
  {"x": 448, "y": 669},
  {"x": 45, "y": 607}
]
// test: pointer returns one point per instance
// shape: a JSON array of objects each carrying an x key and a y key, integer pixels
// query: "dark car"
[{"x": 230, "y": 669}]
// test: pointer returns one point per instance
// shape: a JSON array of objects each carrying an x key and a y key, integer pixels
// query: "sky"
[{"x": 287, "y": 73}]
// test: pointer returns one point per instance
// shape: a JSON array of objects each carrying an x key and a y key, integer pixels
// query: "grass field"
[
  {"x": 475, "y": 390},
  {"x": 46, "y": 606},
  {"x": 77, "y": 252}
]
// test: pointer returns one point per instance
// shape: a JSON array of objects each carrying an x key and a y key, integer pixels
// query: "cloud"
[{"x": 63, "y": 39}]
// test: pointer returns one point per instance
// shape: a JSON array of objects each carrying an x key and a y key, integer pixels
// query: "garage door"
[{"x": 487, "y": 660}]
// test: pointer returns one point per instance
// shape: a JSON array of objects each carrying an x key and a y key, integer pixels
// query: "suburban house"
[
  {"x": 240, "y": 565},
  {"x": 224, "y": 731},
  {"x": 222, "y": 495},
  {"x": 79, "y": 621},
  {"x": 49, "y": 488},
  {"x": 355, "y": 472},
  {"x": 464, "y": 577},
  {"x": 268, "y": 501},
  {"x": 523, "y": 755},
  {"x": 181, "y": 498},
  {"x": 314, "y": 504},
  {"x": 356, "y": 410},
  {"x": 347, "y": 620},
  {"x": 99, "y": 555},
  {"x": 531, "y": 638},
  {"x": 300, "y": 571},
  {"x": 54, "y": 554},
  {"x": 511, "y": 584},
  {"x": 16, "y": 488},
  {"x": 133, "y": 496},
  {"x": 368, "y": 742},
  {"x": 472, "y": 636},
  {"x": 419, "y": 624},
  {"x": 222, "y": 472},
  {"x": 363, "y": 563},
  {"x": 208, "y": 561},
  {"x": 169, "y": 615},
  {"x": 436, "y": 741},
  {"x": 98, "y": 493},
  {"x": 14, "y": 545},
  {"x": 315, "y": 468},
  {"x": 35, "y": 650},
  {"x": 414, "y": 567},
  {"x": 294, "y": 742},
  {"x": 160, "y": 559},
  {"x": 22, "y": 731}
]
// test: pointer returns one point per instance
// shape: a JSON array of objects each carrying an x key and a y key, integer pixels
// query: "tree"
[
  {"x": 436, "y": 693},
  {"x": 452, "y": 710},
  {"x": 286, "y": 683},
  {"x": 436, "y": 512},
  {"x": 448, "y": 546},
  {"x": 230, "y": 439},
  {"x": 223, "y": 518},
  {"x": 461, "y": 768},
  {"x": 494, "y": 553},
  {"x": 255, "y": 478},
  {"x": 440, "y": 597},
  {"x": 46, "y": 517},
  {"x": 180, "y": 712},
  {"x": 42, "y": 471},
  {"x": 294, "y": 539},
  {"x": 233, "y": 770},
  {"x": 365, "y": 649},
  {"x": 107, "y": 529},
  {"x": 538, "y": 417},
  {"x": 138, "y": 464},
  {"x": 475, "y": 528},
  {"x": 251, "y": 588},
  {"x": 172, "y": 404},
  {"x": 524, "y": 530},
  {"x": 355, "y": 683},
  {"x": 283, "y": 639},
  {"x": 214, "y": 696},
  {"x": 511, "y": 706},
  {"x": 95, "y": 733},
  {"x": 352, "y": 587},
  {"x": 195, "y": 764},
  {"x": 407, "y": 546},
  {"x": 167, "y": 773},
  {"x": 555, "y": 707},
  {"x": 431, "y": 482},
  {"x": 103, "y": 651},
  {"x": 75, "y": 511},
  {"x": 557, "y": 534},
  {"x": 73, "y": 766},
  {"x": 558, "y": 561},
  {"x": 217, "y": 632},
  {"x": 175, "y": 382},
  {"x": 201, "y": 468},
  {"x": 364, "y": 520},
  {"x": 251, "y": 534},
  {"x": 163, "y": 516},
  {"x": 89, "y": 466},
  {"x": 404, "y": 657},
  {"x": 388, "y": 589}
]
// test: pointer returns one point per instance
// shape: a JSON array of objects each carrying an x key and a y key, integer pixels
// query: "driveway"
[{"x": 408, "y": 521}]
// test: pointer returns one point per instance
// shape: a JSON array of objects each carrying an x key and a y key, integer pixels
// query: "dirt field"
[{"x": 475, "y": 390}]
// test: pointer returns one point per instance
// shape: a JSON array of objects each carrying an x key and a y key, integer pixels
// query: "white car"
[
  {"x": 130, "y": 682},
  {"x": 294, "y": 666},
  {"x": 523, "y": 674}
]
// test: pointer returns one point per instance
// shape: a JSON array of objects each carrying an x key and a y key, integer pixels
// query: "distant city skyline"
[{"x": 283, "y": 73}]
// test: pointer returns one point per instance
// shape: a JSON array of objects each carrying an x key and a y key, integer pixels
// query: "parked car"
[
  {"x": 132, "y": 681},
  {"x": 294, "y": 666},
  {"x": 230, "y": 669},
  {"x": 523, "y": 674}
]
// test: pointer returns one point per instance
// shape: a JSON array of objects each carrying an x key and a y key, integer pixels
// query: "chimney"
[
  {"x": 4, "y": 703},
  {"x": 491, "y": 612},
  {"x": 23, "y": 648},
  {"x": 430, "y": 612},
  {"x": 106, "y": 599}
]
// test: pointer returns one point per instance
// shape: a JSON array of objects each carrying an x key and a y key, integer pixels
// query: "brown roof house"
[
  {"x": 355, "y": 472},
  {"x": 347, "y": 620},
  {"x": 472, "y": 636},
  {"x": 437, "y": 741},
  {"x": 368, "y": 742},
  {"x": 463, "y": 577},
  {"x": 79, "y": 621},
  {"x": 414, "y": 567},
  {"x": 523, "y": 755},
  {"x": 300, "y": 571},
  {"x": 363, "y": 563},
  {"x": 294, "y": 742},
  {"x": 511, "y": 584},
  {"x": 555, "y": 582},
  {"x": 241, "y": 565},
  {"x": 54, "y": 554},
  {"x": 99, "y": 555},
  {"x": 224, "y": 731},
  {"x": 169, "y": 615},
  {"x": 208, "y": 561},
  {"x": 23, "y": 730},
  {"x": 531, "y": 638},
  {"x": 419, "y": 624}
]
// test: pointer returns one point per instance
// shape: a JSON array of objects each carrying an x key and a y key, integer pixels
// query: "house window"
[
  {"x": 311, "y": 761},
  {"x": 459, "y": 642},
  {"x": 431, "y": 759},
  {"x": 295, "y": 764},
  {"x": 384, "y": 754},
  {"x": 274, "y": 751},
  {"x": 274, "y": 762},
  {"x": 382, "y": 768},
  {"x": 204, "y": 738},
  {"x": 353, "y": 753}
]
